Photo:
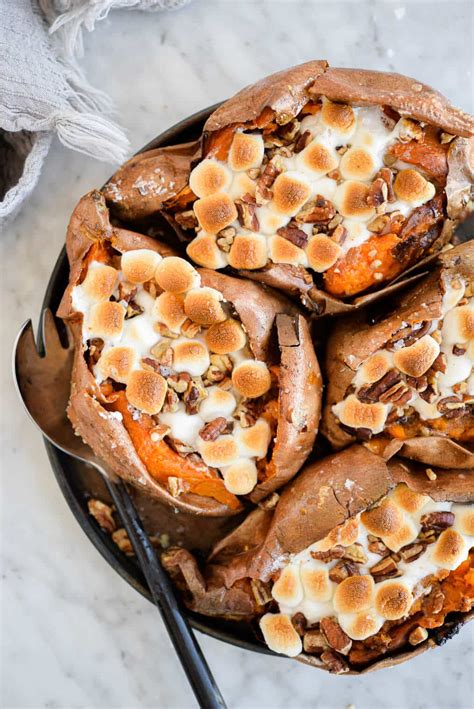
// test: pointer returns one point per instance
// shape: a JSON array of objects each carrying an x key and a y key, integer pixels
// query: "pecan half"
[
  {"x": 269, "y": 175},
  {"x": 335, "y": 636},
  {"x": 451, "y": 407},
  {"x": 433, "y": 603},
  {"x": 438, "y": 521},
  {"x": 213, "y": 429},
  {"x": 385, "y": 569},
  {"x": 297, "y": 236}
]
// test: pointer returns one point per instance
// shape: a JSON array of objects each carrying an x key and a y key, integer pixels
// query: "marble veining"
[{"x": 74, "y": 635}]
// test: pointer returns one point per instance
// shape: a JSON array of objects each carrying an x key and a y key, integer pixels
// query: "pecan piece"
[
  {"x": 411, "y": 552},
  {"x": 176, "y": 486},
  {"x": 335, "y": 636},
  {"x": 299, "y": 623},
  {"x": 150, "y": 363},
  {"x": 121, "y": 539},
  {"x": 439, "y": 365},
  {"x": 171, "y": 404},
  {"x": 103, "y": 515},
  {"x": 318, "y": 210},
  {"x": 297, "y": 236},
  {"x": 418, "y": 636},
  {"x": 373, "y": 392},
  {"x": 386, "y": 175},
  {"x": 433, "y": 603},
  {"x": 378, "y": 193},
  {"x": 314, "y": 642},
  {"x": 334, "y": 662},
  {"x": 158, "y": 432},
  {"x": 261, "y": 591},
  {"x": 179, "y": 446},
  {"x": 342, "y": 570},
  {"x": 337, "y": 552},
  {"x": 246, "y": 212},
  {"x": 385, "y": 569},
  {"x": 355, "y": 552},
  {"x": 458, "y": 351},
  {"x": 193, "y": 396},
  {"x": 213, "y": 429},
  {"x": 186, "y": 219},
  {"x": 437, "y": 521},
  {"x": 302, "y": 141},
  {"x": 376, "y": 546}
]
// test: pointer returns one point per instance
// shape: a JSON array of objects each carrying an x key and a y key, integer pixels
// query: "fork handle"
[{"x": 187, "y": 648}]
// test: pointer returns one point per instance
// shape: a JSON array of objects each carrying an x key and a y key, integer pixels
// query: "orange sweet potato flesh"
[
  {"x": 162, "y": 462},
  {"x": 428, "y": 154},
  {"x": 458, "y": 590}
]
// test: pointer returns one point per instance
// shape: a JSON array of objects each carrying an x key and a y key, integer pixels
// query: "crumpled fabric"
[{"x": 44, "y": 92}]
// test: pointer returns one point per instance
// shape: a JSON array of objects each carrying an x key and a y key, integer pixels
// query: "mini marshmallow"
[
  {"x": 288, "y": 589},
  {"x": 176, "y": 275},
  {"x": 357, "y": 164},
  {"x": 269, "y": 221},
  {"x": 139, "y": 266},
  {"x": 416, "y": 359},
  {"x": 409, "y": 500},
  {"x": 208, "y": 177},
  {"x": 100, "y": 281},
  {"x": 449, "y": 550},
  {"x": 344, "y": 534},
  {"x": 359, "y": 626},
  {"x": 146, "y": 391},
  {"x": 405, "y": 534},
  {"x": 168, "y": 308},
  {"x": 458, "y": 325},
  {"x": 248, "y": 251},
  {"x": 281, "y": 250},
  {"x": 354, "y": 594},
  {"x": 117, "y": 363},
  {"x": 464, "y": 519},
  {"x": 290, "y": 191},
  {"x": 322, "y": 252},
  {"x": 219, "y": 453},
  {"x": 374, "y": 368},
  {"x": 203, "y": 306},
  {"x": 253, "y": 441},
  {"x": 246, "y": 151},
  {"x": 280, "y": 635},
  {"x": 204, "y": 251},
  {"x": 106, "y": 320},
  {"x": 251, "y": 378},
  {"x": 316, "y": 160},
  {"x": 352, "y": 412},
  {"x": 316, "y": 584},
  {"x": 393, "y": 599},
  {"x": 215, "y": 212},
  {"x": 183, "y": 426},
  {"x": 217, "y": 403},
  {"x": 387, "y": 518},
  {"x": 190, "y": 356},
  {"x": 350, "y": 199},
  {"x": 225, "y": 337},
  {"x": 339, "y": 117},
  {"x": 241, "y": 477},
  {"x": 410, "y": 186},
  {"x": 241, "y": 184}
]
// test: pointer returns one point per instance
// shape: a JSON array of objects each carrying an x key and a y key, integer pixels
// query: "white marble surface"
[{"x": 73, "y": 633}]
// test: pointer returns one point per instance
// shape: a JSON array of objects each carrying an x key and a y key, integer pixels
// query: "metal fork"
[{"x": 43, "y": 384}]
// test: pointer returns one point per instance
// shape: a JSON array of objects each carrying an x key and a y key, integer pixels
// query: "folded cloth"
[{"x": 43, "y": 90}]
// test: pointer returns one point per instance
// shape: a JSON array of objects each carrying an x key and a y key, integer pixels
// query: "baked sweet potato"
[
  {"x": 200, "y": 388},
  {"x": 326, "y": 183},
  {"x": 361, "y": 564},
  {"x": 405, "y": 383}
]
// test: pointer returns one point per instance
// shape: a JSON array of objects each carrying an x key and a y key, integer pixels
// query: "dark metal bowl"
[{"x": 79, "y": 482}]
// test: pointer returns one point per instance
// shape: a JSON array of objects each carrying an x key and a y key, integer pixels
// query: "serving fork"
[{"x": 42, "y": 380}]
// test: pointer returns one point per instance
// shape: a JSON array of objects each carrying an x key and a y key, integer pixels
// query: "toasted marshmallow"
[
  {"x": 359, "y": 626},
  {"x": 352, "y": 412},
  {"x": 374, "y": 368},
  {"x": 344, "y": 534},
  {"x": 251, "y": 378},
  {"x": 146, "y": 391},
  {"x": 409, "y": 500},
  {"x": 357, "y": 164},
  {"x": 280, "y": 635},
  {"x": 354, "y": 594},
  {"x": 450, "y": 550},
  {"x": 387, "y": 518},
  {"x": 225, "y": 337},
  {"x": 99, "y": 283},
  {"x": 290, "y": 191},
  {"x": 339, "y": 117},
  {"x": 253, "y": 441},
  {"x": 219, "y": 453},
  {"x": 205, "y": 252},
  {"x": 241, "y": 477},
  {"x": 241, "y": 184},
  {"x": 316, "y": 160},
  {"x": 217, "y": 403},
  {"x": 322, "y": 252},
  {"x": 183, "y": 426},
  {"x": 246, "y": 151},
  {"x": 350, "y": 199},
  {"x": 393, "y": 599},
  {"x": 215, "y": 212},
  {"x": 411, "y": 187},
  {"x": 458, "y": 325},
  {"x": 464, "y": 519},
  {"x": 288, "y": 589},
  {"x": 281, "y": 250},
  {"x": 169, "y": 309},
  {"x": 106, "y": 320},
  {"x": 269, "y": 221},
  {"x": 139, "y": 266},
  {"x": 406, "y": 534},
  {"x": 316, "y": 583},
  {"x": 190, "y": 356},
  {"x": 248, "y": 251},
  {"x": 176, "y": 275},
  {"x": 203, "y": 306},
  {"x": 416, "y": 359},
  {"x": 208, "y": 177},
  {"x": 117, "y": 363}
]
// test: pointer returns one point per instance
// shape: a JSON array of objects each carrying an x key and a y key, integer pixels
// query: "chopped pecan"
[
  {"x": 179, "y": 382},
  {"x": 355, "y": 552},
  {"x": 378, "y": 223},
  {"x": 96, "y": 345},
  {"x": 337, "y": 552},
  {"x": 433, "y": 603},
  {"x": 387, "y": 176},
  {"x": 133, "y": 309},
  {"x": 339, "y": 234},
  {"x": 153, "y": 364},
  {"x": 376, "y": 546},
  {"x": 314, "y": 642},
  {"x": 246, "y": 212},
  {"x": 158, "y": 432},
  {"x": 261, "y": 591},
  {"x": 428, "y": 394},
  {"x": 363, "y": 434},
  {"x": 458, "y": 350},
  {"x": 171, "y": 404},
  {"x": 418, "y": 383},
  {"x": 163, "y": 353},
  {"x": 186, "y": 219},
  {"x": 121, "y": 539},
  {"x": 269, "y": 175},
  {"x": 246, "y": 413},
  {"x": 440, "y": 363},
  {"x": 418, "y": 636},
  {"x": 213, "y": 429},
  {"x": 342, "y": 570},
  {"x": 179, "y": 446},
  {"x": 190, "y": 328},
  {"x": 302, "y": 141},
  {"x": 378, "y": 193},
  {"x": 335, "y": 636},
  {"x": 334, "y": 662},
  {"x": 373, "y": 392},
  {"x": 408, "y": 335},
  {"x": 437, "y": 521},
  {"x": 176, "y": 486},
  {"x": 318, "y": 210},
  {"x": 428, "y": 536},
  {"x": 103, "y": 515},
  {"x": 411, "y": 552},
  {"x": 194, "y": 394},
  {"x": 386, "y": 568},
  {"x": 126, "y": 293},
  {"x": 297, "y": 236},
  {"x": 299, "y": 623}
]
